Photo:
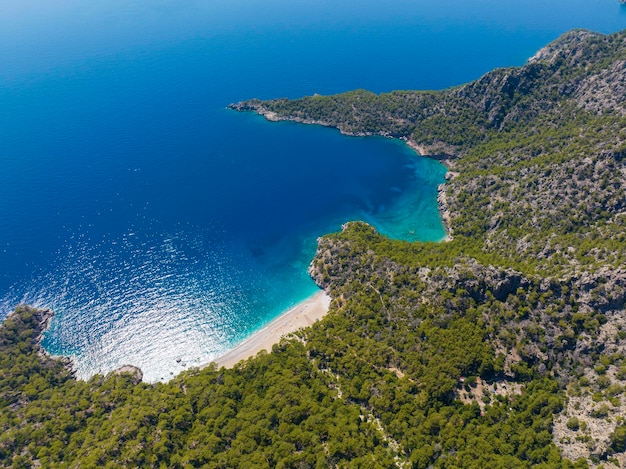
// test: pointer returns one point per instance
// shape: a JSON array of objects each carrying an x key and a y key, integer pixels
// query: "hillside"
[{"x": 504, "y": 347}]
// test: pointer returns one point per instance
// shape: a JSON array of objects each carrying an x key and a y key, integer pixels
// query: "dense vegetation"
[{"x": 504, "y": 347}]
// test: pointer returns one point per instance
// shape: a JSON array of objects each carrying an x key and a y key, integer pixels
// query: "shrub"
[{"x": 573, "y": 424}]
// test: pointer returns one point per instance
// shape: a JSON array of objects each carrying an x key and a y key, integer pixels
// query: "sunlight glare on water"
[{"x": 163, "y": 228}]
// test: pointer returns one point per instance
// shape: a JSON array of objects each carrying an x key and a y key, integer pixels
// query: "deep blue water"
[{"x": 160, "y": 225}]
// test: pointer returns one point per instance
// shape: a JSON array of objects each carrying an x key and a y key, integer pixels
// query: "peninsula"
[{"x": 504, "y": 347}]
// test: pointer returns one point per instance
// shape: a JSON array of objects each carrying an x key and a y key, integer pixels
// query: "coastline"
[
  {"x": 304, "y": 314},
  {"x": 45, "y": 315},
  {"x": 442, "y": 196},
  {"x": 444, "y": 211},
  {"x": 440, "y": 152}
]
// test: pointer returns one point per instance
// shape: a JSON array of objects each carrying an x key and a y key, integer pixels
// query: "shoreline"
[
  {"x": 442, "y": 153},
  {"x": 304, "y": 314}
]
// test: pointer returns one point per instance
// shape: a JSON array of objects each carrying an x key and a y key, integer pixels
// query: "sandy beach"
[{"x": 302, "y": 315}]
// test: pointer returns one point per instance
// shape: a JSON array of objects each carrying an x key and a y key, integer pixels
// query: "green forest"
[{"x": 502, "y": 347}]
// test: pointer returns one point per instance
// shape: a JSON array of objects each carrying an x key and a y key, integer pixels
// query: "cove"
[{"x": 161, "y": 226}]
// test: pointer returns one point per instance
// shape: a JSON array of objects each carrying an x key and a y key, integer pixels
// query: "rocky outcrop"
[
  {"x": 36, "y": 321},
  {"x": 136, "y": 375}
]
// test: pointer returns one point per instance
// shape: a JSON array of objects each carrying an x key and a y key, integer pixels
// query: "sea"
[{"x": 161, "y": 227}]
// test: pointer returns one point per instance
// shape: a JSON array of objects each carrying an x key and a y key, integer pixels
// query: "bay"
[{"x": 161, "y": 226}]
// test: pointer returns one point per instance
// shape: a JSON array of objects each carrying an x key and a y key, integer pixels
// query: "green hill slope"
[{"x": 503, "y": 347}]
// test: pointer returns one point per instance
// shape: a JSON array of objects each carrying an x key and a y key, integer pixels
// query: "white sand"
[{"x": 304, "y": 314}]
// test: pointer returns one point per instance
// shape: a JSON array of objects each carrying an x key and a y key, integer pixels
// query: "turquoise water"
[{"x": 158, "y": 224}]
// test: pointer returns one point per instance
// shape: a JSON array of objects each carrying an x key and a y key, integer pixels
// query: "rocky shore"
[{"x": 39, "y": 319}]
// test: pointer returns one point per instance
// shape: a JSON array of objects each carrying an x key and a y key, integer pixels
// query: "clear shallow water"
[{"x": 160, "y": 225}]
